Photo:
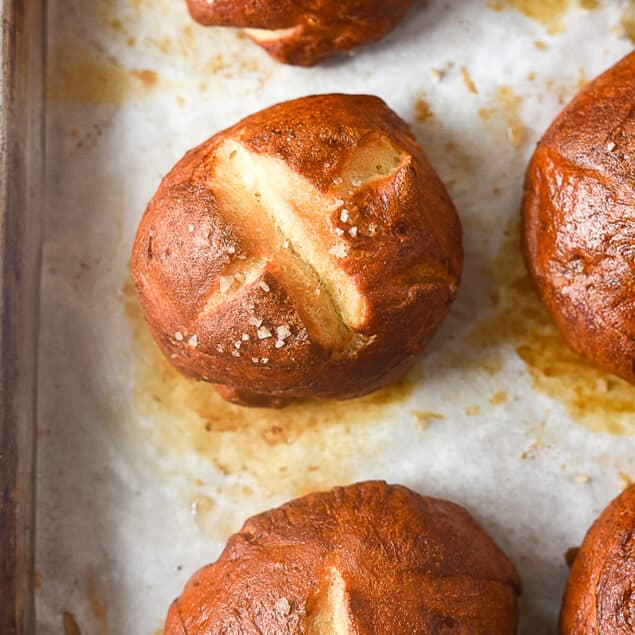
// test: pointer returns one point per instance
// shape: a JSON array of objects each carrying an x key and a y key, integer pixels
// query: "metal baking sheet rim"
[
  {"x": 21, "y": 165},
  {"x": 35, "y": 12}
]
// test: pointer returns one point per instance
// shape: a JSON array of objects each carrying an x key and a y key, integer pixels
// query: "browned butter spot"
[
  {"x": 70, "y": 624},
  {"x": 303, "y": 447},
  {"x": 503, "y": 115},
  {"x": 423, "y": 112},
  {"x": 214, "y": 521},
  {"x": 80, "y": 74},
  {"x": 627, "y": 23},
  {"x": 498, "y": 398},
  {"x": 97, "y": 604},
  {"x": 423, "y": 418},
  {"x": 593, "y": 397},
  {"x": 549, "y": 13},
  {"x": 467, "y": 80}
]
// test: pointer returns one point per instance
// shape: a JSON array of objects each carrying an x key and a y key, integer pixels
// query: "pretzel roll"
[
  {"x": 368, "y": 559},
  {"x": 600, "y": 594},
  {"x": 579, "y": 220},
  {"x": 308, "y": 251},
  {"x": 303, "y": 32}
]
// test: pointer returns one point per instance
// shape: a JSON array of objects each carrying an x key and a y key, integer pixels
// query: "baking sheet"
[
  {"x": 21, "y": 163},
  {"x": 142, "y": 475}
]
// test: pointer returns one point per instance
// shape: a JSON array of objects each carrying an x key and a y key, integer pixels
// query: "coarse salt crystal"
[
  {"x": 193, "y": 341},
  {"x": 231, "y": 249},
  {"x": 279, "y": 344},
  {"x": 245, "y": 337},
  {"x": 610, "y": 146},
  {"x": 190, "y": 228},
  {"x": 225, "y": 283},
  {"x": 237, "y": 344},
  {"x": 254, "y": 360},
  {"x": 283, "y": 331},
  {"x": 344, "y": 215},
  {"x": 263, "y": 333},
  {"x": 254, "y": 321},
  {"x": 264, "y": 360},
  {"x": 219, "y": 348},
  {"x": 339, "y": 231},
  {"x": 178, "y": 336},
  {"x": 235, "y": 354},
  {"x": 356, "y": 182},
  {"x": 240, "y": 277},
  {"x": 283, "y": 606},
  {"x": 340, "y": 250},
  {"x": 264, "y": 286},
  {"x": 353, "y": 232}
]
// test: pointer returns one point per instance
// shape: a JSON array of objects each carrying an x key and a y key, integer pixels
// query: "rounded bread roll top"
[
  {"x": 368, "y": 559},
  {"x": 306, "y": 31},
  {"x": 579, "y": 220},
  {"x": 600, "y": 594},
  {"x": 308, "y": 251}
]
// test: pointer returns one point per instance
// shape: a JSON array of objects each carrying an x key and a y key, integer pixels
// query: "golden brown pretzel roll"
[
  {"x": 600, "y": 595},
  {"x": 303, "y": 32},
  {"x": 308, "y": 251},
  {"x": 579, "y": 220},
  {"x": 368, "y": 559}
]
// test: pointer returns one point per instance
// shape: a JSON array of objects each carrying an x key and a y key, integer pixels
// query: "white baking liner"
[{"x": 132, "y": 494}]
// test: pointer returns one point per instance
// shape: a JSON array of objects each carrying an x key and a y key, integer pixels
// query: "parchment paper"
[{"x": 142, "y": 475}]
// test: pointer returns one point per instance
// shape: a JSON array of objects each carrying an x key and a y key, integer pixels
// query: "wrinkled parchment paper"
[{"x": 143, "y": 475}]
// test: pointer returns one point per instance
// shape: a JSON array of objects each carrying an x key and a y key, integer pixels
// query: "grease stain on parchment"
[
  {"x": 468, "y": 81},
  {"x": 597, "y": 399},
  {"x": 81, "y": 74},
  {"x": 549, "y": 13},
  {"x": 215, "y": 520},
  {"x": 447, "y": 152},
  {"x": 422, "y": 110},
  {"x": 114, "y": 64},
  {"x": 182, "y": 39},
  {"x": 71, "y": 627},
  {"x": 97, "y": 605},
  {"x": 423, "y": 418},
  {"x": 503, "y": 115},
  {"x": 306, "y": 446},
  {"x": 627, "y": 22},
  {"x": 566, "y": 91}
]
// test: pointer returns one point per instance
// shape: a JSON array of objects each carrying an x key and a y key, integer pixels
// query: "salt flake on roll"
[{"x": 325, "y": 253}]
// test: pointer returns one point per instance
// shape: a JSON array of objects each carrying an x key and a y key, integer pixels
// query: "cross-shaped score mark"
[
  {"x": 331, "y": 616},
  {"x": 295, "y": 232}
]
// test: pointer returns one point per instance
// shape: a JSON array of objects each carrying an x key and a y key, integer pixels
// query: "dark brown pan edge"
[{"x": 21, "y": 158}]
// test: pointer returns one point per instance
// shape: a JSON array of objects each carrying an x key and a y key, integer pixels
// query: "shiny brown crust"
[
  {"x": 397, "y": 254},
  {"x": 600, "y": 594},
  {"x": 408, "y": 564},
  {"x": 579, "y": 220},
  {"x": 303, "y": 32}
]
